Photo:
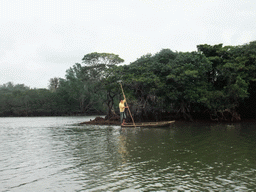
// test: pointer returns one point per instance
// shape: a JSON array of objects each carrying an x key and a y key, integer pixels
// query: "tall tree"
[
  {"x": 229, "y": 80},
  {"x": 186, "y": 86},
  {"x": 98, "y": 67},
  {"x": 53, "y": 84}
]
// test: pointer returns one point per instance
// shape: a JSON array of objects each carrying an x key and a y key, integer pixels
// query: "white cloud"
[
  {"x": 245, "y": 37},
  {"x": 227, "y": 35},
  {"x": 42, "y": 39}
]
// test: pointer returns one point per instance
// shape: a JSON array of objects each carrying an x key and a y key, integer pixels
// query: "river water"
[{"x": 55, "y": 154}]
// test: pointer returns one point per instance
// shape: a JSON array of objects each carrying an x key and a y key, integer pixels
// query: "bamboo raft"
[{"x": 149, "y": 124}]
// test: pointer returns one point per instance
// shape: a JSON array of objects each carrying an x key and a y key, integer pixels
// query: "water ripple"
[{"x": 50, "y": 154}]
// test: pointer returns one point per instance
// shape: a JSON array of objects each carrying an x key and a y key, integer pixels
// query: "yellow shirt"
[{"x": 121, "y": 106}]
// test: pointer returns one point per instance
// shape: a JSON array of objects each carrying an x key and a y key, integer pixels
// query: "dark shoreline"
[
  {"x": 99, "y": 120},
  {"x": 102, "y": 121}
]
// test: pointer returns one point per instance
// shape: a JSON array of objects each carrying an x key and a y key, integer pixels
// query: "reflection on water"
[
  {"x": 54, "y": 154},
  {"x": 122, "y": 150}
]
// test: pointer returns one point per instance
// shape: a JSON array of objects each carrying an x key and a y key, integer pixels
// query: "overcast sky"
[{"x": 41, "y": 39}]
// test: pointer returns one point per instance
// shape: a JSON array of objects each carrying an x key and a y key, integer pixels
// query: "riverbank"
[
  {"x": 116, "y": 121},
  {"x": 102, "y": 121}
]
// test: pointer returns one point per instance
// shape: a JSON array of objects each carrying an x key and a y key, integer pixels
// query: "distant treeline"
[{"x": 215, "y": 82}]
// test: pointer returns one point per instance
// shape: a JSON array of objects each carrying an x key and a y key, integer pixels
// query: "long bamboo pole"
[{"x": 127, "y": 105}]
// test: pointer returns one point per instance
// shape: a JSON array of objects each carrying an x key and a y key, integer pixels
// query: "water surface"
[{"x": 55, "y": 154}]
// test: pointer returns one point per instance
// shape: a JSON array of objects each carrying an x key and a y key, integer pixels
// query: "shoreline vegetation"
[{"x": 215, "y": 83}]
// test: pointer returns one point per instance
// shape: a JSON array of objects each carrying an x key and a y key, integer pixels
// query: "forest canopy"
[{"x": 215, "y": 82}]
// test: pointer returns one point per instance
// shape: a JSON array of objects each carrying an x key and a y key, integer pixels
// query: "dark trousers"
[{"x": 122, "y": 116}]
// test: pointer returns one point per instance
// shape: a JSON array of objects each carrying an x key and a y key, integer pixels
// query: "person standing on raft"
[{"x": 122, "y": 111}]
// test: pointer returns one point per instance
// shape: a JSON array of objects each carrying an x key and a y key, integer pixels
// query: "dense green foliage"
[{"x": 216, "y": 82}]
